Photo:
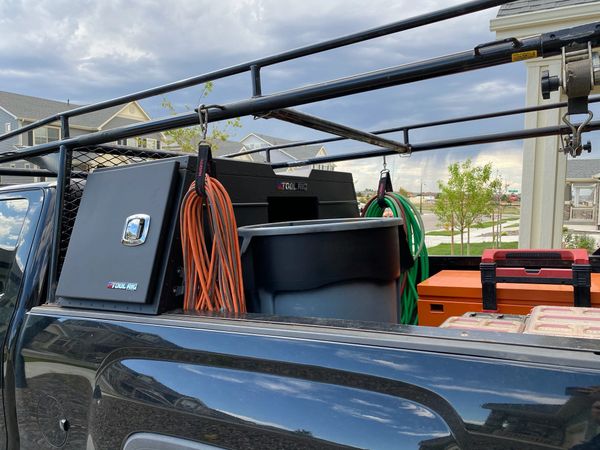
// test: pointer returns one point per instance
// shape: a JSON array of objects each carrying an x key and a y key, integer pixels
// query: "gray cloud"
[{"x": 87, "y": 51}]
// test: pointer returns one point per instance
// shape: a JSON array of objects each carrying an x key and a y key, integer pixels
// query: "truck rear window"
[{"x": 12, "y": 218}]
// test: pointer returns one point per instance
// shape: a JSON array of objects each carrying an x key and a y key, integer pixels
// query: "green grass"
[
  {"x": 476, "y": 248},
  {"x": 441, "y": 233},
  {"x": 511, "y": 210},
  {"x": 512, "y": 225},
  {"x": 487, "y": 224}
]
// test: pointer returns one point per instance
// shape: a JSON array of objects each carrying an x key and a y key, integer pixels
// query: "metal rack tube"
[{"x": 438, "y": 145}]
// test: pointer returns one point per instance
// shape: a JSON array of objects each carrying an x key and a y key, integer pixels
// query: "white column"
[{"x": 544, "y": 168}]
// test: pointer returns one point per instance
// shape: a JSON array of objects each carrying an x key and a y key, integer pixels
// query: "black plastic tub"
[{"x": 338, "y": 268}]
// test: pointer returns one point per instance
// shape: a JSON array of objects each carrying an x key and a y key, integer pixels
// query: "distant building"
[
  {"x": 256, "y": 141},
  {"x": 17, "y": 110}
]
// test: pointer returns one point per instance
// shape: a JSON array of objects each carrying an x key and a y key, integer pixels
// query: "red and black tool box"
[{"x": 514, "y": 282}]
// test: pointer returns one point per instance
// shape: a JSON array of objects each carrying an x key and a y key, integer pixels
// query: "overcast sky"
[{"x": 88, "y": 51}]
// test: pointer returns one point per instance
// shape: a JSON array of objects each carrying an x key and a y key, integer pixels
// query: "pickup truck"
[
  {"x": 76, "y": 377},
  {"x": 84, "y": 379}
]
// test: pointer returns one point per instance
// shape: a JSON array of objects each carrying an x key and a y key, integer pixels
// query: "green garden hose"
[{"x": 415, "y": 232}]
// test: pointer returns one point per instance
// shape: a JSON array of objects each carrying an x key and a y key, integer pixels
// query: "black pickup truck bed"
[{"x": 262, "y": 382}]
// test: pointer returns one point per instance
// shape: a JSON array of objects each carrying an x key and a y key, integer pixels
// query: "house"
[
  {"x": 17, "y": 110},
  {"x": 582, "y": 189},
  {"x": 255, "y": 141},
  {"x": 544, "y": 167},
  {"x": 223, "y": 148}
]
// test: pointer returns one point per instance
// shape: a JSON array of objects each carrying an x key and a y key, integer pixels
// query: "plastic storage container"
[
  {"x": 507, "y": 323},
  {"x": 564, "y": 321},
  {"x": 335, "y": 268}
]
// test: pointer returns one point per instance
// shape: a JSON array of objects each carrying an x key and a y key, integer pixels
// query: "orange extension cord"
[{"x": 213, "y": 281}]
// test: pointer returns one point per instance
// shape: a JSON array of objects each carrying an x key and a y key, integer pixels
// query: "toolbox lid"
[
  {"x": 466, "y": 284},
  {"x": 118, "y": 239}
]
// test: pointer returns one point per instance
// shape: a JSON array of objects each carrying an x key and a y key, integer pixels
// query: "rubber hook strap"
[
  {"x": 385, "y": 185},
  {"x": 205, "y": 162}
]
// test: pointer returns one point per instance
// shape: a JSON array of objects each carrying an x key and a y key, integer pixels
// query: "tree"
[
  {"x": 444, "y": 210},
  {"x": 465, "y": 198},
  {"x": 403, "y": 192},
  {"x": 188, "y": 138},
  {"x": 500, "y": 198}
]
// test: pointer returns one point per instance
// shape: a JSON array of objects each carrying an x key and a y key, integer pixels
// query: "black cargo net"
[{"x": 83, "y": 161}]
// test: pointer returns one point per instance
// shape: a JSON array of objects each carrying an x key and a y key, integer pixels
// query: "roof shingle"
[
  {"x": 582, "y": 168},
  {"x": 28, "y": 107},
  {"x": 526, "y": 6},
  {"x": 299, "y": 153}
]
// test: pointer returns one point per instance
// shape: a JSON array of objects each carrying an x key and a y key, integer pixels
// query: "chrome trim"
[{"x": 139, "y": 238}]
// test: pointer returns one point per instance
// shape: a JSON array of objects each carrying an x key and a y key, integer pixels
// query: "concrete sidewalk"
[{"x": 477, "y": 235}]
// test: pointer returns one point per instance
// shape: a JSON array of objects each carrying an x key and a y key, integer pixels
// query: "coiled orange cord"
[{"x": 213, "y": 280}]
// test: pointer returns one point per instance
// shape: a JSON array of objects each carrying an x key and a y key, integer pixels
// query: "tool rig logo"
[
  {"x": 292, "y": 186},
  {"x": 122, "y": 285}
]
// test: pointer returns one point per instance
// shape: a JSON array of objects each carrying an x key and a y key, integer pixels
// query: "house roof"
[
  {"x": 526, "y": 6},
  {"x": 28, "y": 107},
  {"x": 226, "y": 147},
  {"x": 582, "y": 168},
  {"x": 302, "y": 152}
]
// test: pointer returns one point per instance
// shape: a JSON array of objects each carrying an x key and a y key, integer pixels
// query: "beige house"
[
  {"x": 256, "y": 141},
  {"x": 544, "y": 167},
  {"x": 17, "y": 110}
]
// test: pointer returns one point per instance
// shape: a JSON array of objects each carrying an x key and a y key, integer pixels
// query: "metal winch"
[{"x": 580, "y": 73}]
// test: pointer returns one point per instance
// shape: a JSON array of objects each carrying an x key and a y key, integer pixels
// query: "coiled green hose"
[{"x": 415, "y": 232}]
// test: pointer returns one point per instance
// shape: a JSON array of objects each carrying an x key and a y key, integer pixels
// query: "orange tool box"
[
  {"x": 455, "y": 292},
  {"x": 510, "y": 282}
]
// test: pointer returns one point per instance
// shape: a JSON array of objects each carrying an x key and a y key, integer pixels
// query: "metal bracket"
[
  {"x": 408, "y": 152},
  {"x": 203, "y": 118},
  {"x": 316, "y": 123},
  {"x": 572, "y": 144},
  {"x": 256, "y": 84}
]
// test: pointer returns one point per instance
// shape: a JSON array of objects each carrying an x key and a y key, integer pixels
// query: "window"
[
  {"x": 582, "y": 204},
  {"x": 45, "y": 135},
  {"x": 149, "y": 143},
  {"x": 122, "y": 142},
  {"x": 152, "y": 144},
  {"x": 12, "y": 218},
  {"x": 7, "y": 127},
  {"x": 583, "y": 195}
]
